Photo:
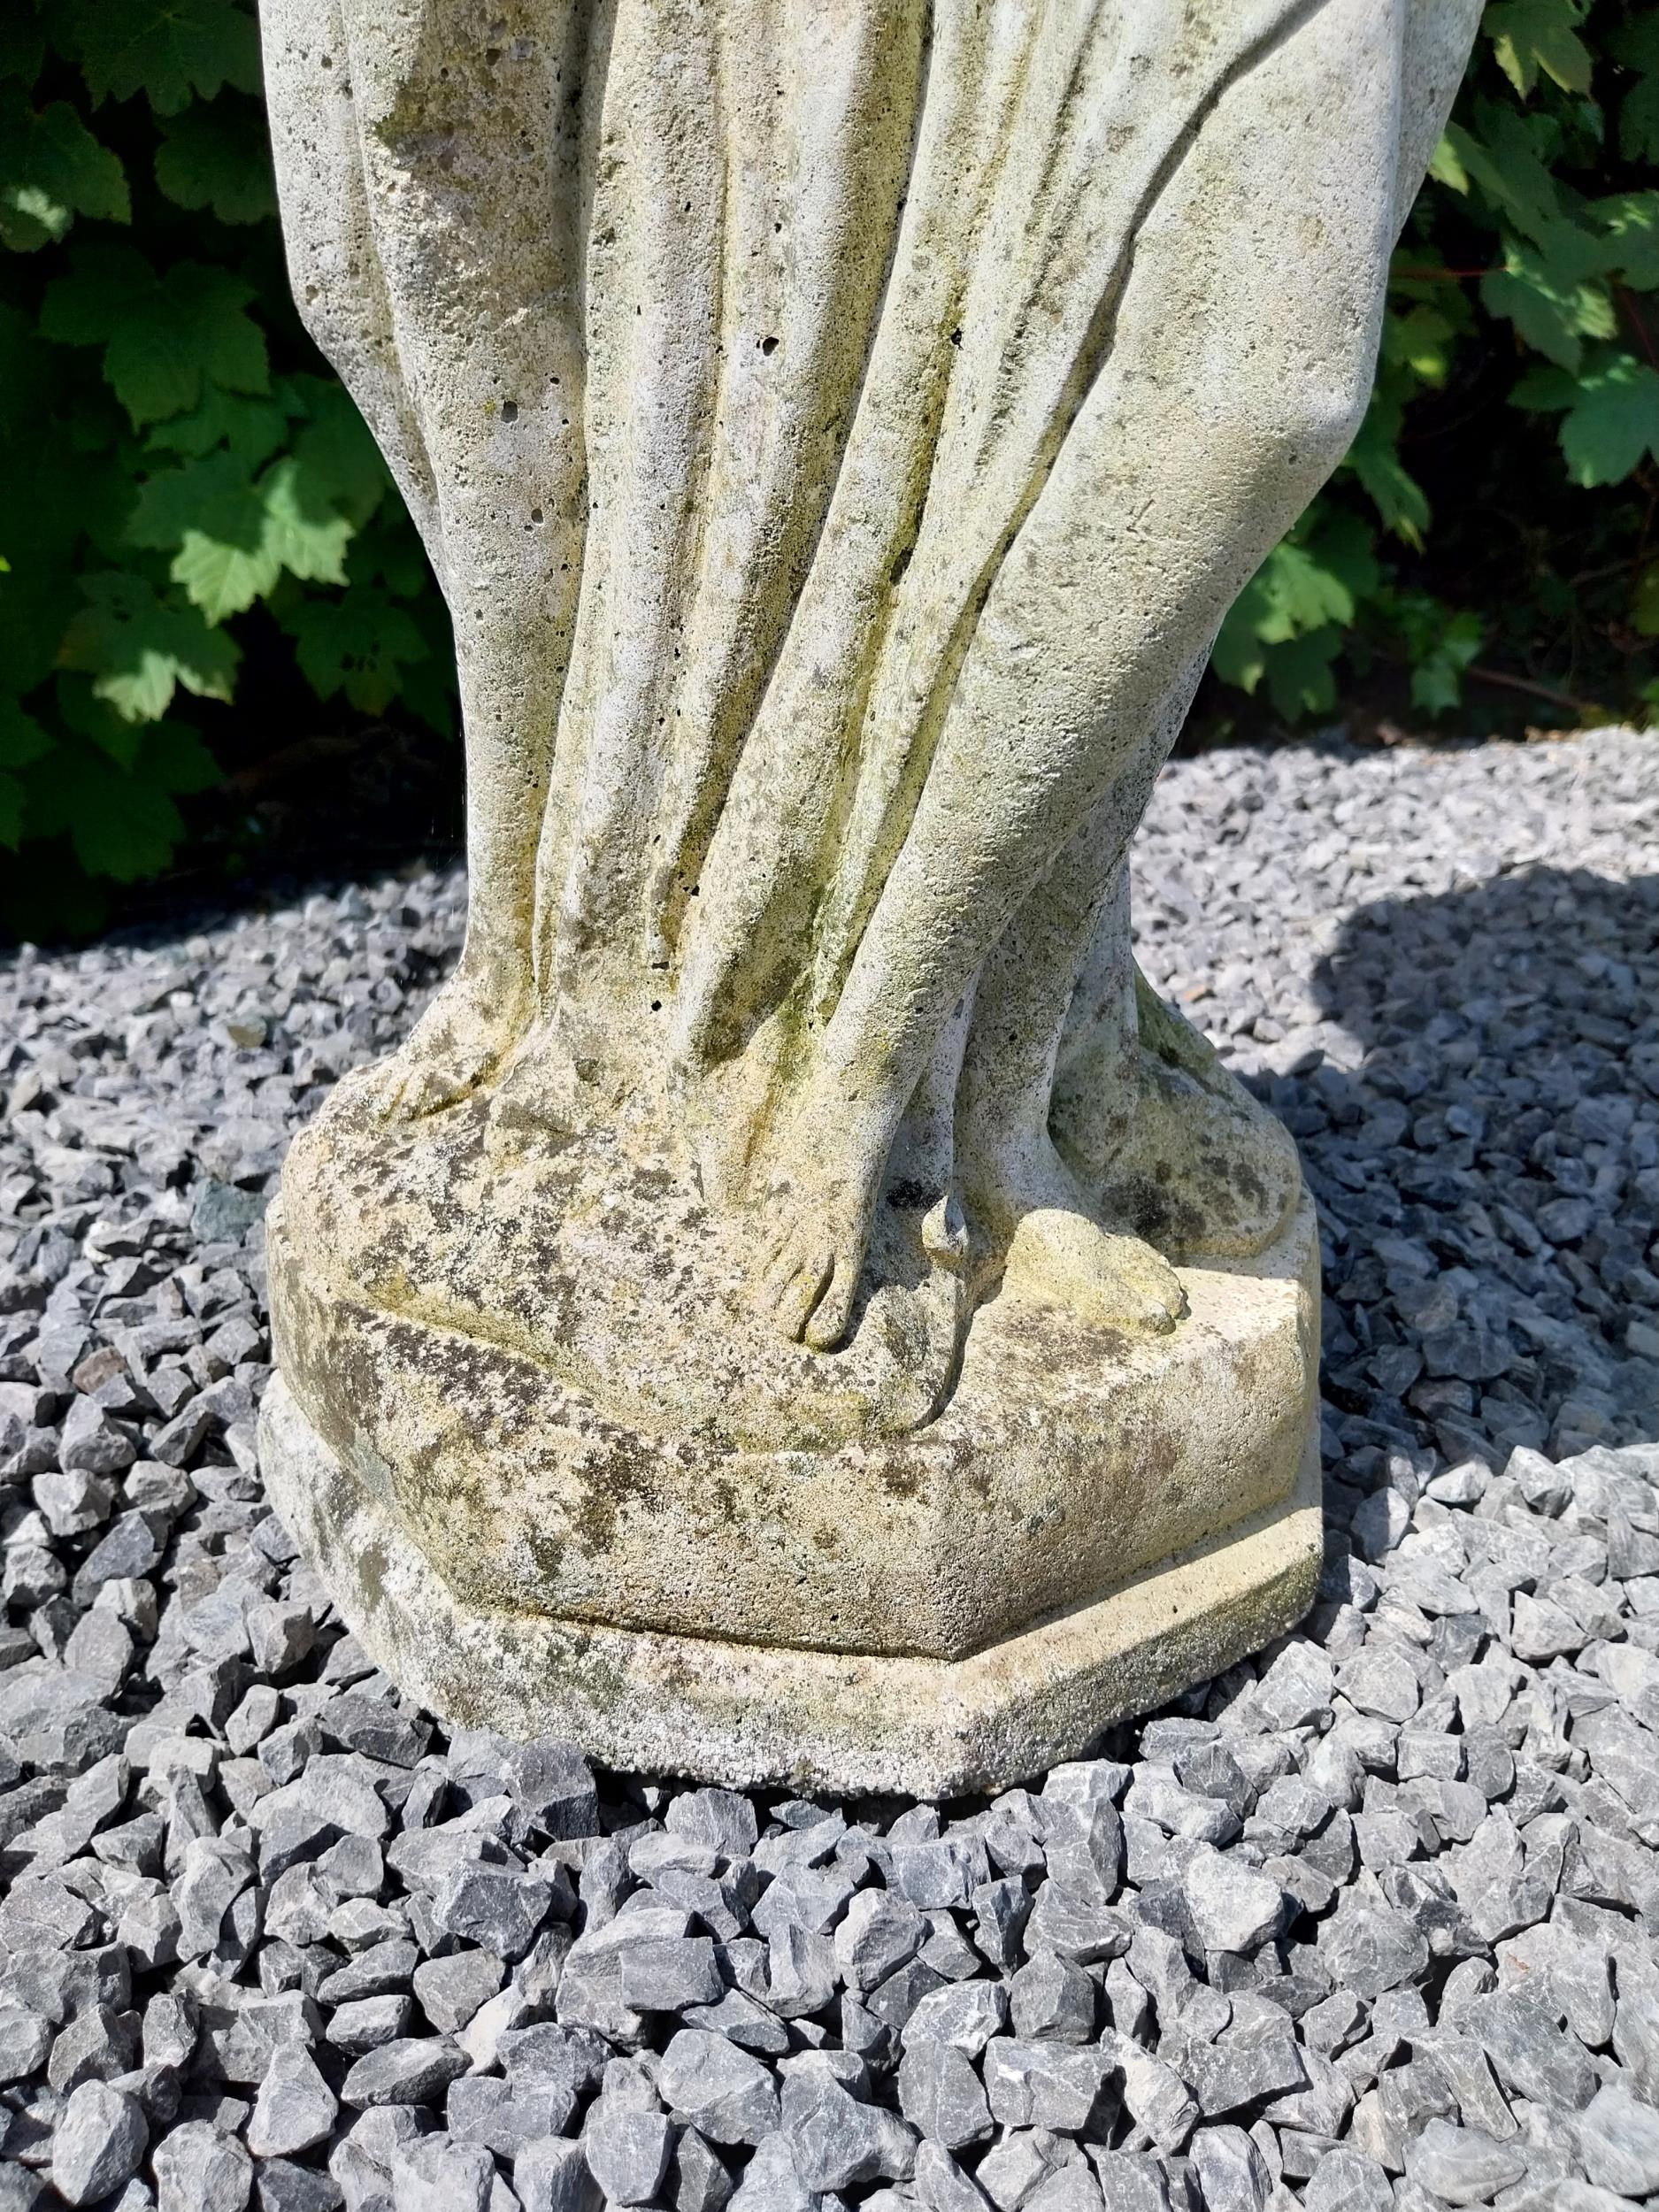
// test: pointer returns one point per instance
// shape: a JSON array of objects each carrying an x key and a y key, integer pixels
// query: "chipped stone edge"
[{"x": 753, "y": 1714}]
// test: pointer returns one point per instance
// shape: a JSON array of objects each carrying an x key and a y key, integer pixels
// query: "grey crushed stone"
[{"x": 1372, "y": 1921}]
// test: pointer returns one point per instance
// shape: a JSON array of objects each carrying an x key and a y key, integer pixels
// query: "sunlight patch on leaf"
[
  {"x": 138, "y": 647},
  {"x": 52, "y": 170},
  {"x": 1613, "y": 424},
  {"x": 1539, "y": 36}
]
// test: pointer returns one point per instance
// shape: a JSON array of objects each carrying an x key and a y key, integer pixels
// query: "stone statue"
[{"x": 796, "y": 1235}]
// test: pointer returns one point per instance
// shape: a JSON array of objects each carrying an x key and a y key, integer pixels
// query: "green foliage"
[
  {"x": 187, "y": 487},
  {"x": 1521, "y": 323},
  {"x": 197, "y": 528}
]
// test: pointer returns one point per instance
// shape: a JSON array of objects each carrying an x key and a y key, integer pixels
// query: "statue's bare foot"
[
  {"x": 457, "y": 1043},
  {"x": 820, "y": 1210},
  {"x": 811, "y": 1272},
  {"x": 1056, "y": 1254}
]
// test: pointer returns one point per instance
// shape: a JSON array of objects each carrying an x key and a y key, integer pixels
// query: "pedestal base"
[{"x": 747, "y": 1714}]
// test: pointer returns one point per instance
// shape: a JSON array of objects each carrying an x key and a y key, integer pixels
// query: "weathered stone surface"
[
  {"x": 798, "y": 1124},
  {"x": 747, "y": 1712}
]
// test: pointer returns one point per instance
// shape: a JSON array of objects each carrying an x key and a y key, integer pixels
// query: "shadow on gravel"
[{"x": 1488, "y": 1173}]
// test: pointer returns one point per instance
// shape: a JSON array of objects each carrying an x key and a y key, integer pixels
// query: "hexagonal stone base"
[{"x": 747, "y": 1713}]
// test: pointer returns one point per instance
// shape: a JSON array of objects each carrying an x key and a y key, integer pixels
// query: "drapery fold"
[{"x": 817, "y": 414}]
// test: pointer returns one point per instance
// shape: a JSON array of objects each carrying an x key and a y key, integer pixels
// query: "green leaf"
[
  {"x": 1510, "y": 163},
  {"x": 1613, "y": 422},
  {"x": 166, "y": 48},
  {"x": 389, "y": 550},
  {"x": 81, "y": 710},
  {"x": 1421, "y": 341},
  {"x": 1638, "y": 122},
  {"x": 138, "y": 647},
  {"x": 214, "y": 494},
  {"x": 1538, "y": 36},
  {"x": 343, "y": 467},
  {"x": 1400, "y": 500},
  {"x": 175, "y": 757},
  {"x": 235, "y": 536},
  {"x": 251, "y": 428},
  {"x": 1446, "y": 167},
  {"x": 1553, "y": 316},
  {"x": 359, "y": 644},
  {"x": 1544, "y": 389},
  {"x": 23, "y": 44},
  {"x": 1635, "y": 42},
  {"x": 1630, "y": 221},
  {"x": 1440, "y": 645},
  {"x": 163, "y": 336},
  {"x": 121, "y": 825},
  {"x": 1287, "y": 627},
  {"x": 1291, "y": 593},
  {"x": 215, "y": 156},
  {"x": 1300, "y": 593},
  {"x": 1643, "y": 606},
  {"x": 21, "y": 737},
  {"x": 302, "y": 528},
  {"x": 1300, "y": 677},
  {"x": 25, "y": 371},
  {"x": 221, "y": 577},
  {"x": 52, "y": 170}
]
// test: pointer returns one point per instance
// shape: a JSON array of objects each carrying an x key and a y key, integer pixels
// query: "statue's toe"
[{"x": 794, "y": 1281}]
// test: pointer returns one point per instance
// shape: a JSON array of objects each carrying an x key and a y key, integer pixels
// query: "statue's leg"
[
  {"x": 1030, "y": 1207},
  {"x": 1236, "y": 378},
  {"x": 469, "y": 125}
]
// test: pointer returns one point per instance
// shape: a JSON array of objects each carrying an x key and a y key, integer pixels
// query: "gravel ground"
[{"x": 1372, "y": 1921}]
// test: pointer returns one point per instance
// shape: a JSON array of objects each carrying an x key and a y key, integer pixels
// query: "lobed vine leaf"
[
  {"x": 168, "y": 49},
  {"x": 214, "y": 155},
  {"x": 164, "y": 336},
  {"x": 52, "y": 170}
]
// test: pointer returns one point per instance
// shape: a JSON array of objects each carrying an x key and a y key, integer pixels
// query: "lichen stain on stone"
[
  {"x": 532, "y": 1494},
  {"x": 371, "y": 1569}
]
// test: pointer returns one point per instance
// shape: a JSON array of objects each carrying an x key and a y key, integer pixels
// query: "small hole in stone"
[
  {"x": 769, "y": 345},
  {"x": 535, "y": 514},
  {"x": 656, "y": 1006},
  {"x": 510, "y": 410},
  {"x": 955, "y": 337}
]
